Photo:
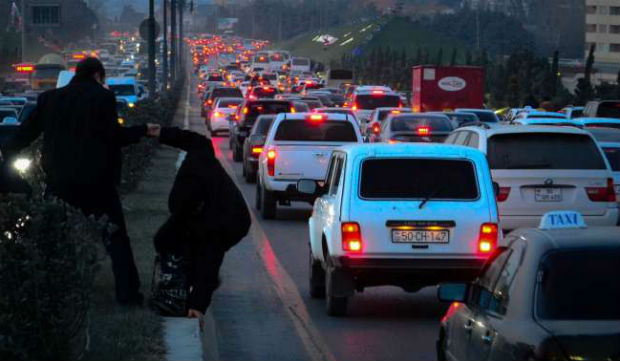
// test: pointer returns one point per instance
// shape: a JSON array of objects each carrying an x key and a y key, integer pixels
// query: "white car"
[
  {"x": 220, "y": 116},
  {"x": 365, "y": 99},
  {"x": 599, "y": 122},
  {"x": 414, "y": 127},
  {"x": 548, "y": 121},
  {"x": 484, "y": 115},
  {"x": 541, "y": 115},
  {"x": 376, "y": 224},
  {"x": 298, "y": 146},
  {"x": 299, "y": 65},
  {"x": 609, "y": 140},
  {"x": 544, "y": 168},
  {"x": 373, "y": 124}
]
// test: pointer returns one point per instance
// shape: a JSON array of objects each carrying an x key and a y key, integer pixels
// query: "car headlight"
[
  {"x": 22, "y": 164},
  {"x": 131, "y": 105}
]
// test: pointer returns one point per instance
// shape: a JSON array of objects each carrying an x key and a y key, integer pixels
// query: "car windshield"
[
  {"x": 44, "y": 73},
  {"x": 259, "y": 108},
  {"x": 123, "y": 89},
  {"x": 312, "y": 131},
  {"x": 543, "y": 151},
  {"x": 576, "y": 113},
  {"x": 26, "y": 110},
  {"x": 412, "y": 123},
  {"x": 229, "y": 103},
  {"x": 374, "y": 101},
  {"x": 384, "y": 113},
  {"x": 226, "y": 92},
  {"x": 613, "y": 157},
  {"x": 6, "y": 133},
  {"x": 298, "y": 61},
  {"x": 264, "y": 92},
  {"x": 461, "y": 118},
  {"x": 609, "y": 110},
  {"x": 603, "y": 125},
  {"x": 7, "y": 113},
  {"x": 415, "y": 178},
  {"x": 483, "y": 116},
  {"x": 215, "y": 78},
  {"x": 566, "y": 292}
]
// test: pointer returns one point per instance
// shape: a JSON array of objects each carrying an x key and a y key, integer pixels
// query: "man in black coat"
[
  {"x": 81, "y": 158},
  {"x": 208, "y": 216}
]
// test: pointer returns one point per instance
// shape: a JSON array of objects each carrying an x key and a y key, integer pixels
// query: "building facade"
[{"x": 603, "y": 30}]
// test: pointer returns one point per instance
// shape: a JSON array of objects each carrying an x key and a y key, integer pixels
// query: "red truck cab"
[{"x": 444, "y": 88}]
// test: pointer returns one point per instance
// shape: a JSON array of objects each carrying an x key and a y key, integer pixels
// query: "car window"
[
  {"x": 461, "y": 138},
  {"x": 330, "y": 171},
  {"x": 482, "y": 292},
  {"x": 368, "y": 101},
  {"x": 610, "y": 109},
  {"x": 501, "y": 292},
  {"x": 418, "y": 178},
  {"x": 613, "y": 156},
  {"x": 333, "y": 188},
  {"x": 312, "y": 131},
  {"x": 226, "y": 92},
  {"x": 263, "y": 124},
  {"x": 566, "y": 292},
  {"x": 543, "y": 151},
  {"x": 451, "y": 138},
  {"x": 411, "y": 123},
  {"x": 473, "y": 140}
]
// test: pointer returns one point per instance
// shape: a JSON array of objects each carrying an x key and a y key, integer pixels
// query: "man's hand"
[
  {"x": 199, "y": 315},
  {"x": 153, "y": 130}
]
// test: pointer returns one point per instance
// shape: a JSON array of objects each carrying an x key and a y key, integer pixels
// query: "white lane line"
[
  {"x": 286, "y": 289},
  {"x": 187, "y": 106}
]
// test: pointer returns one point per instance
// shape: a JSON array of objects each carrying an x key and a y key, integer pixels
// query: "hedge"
[{"x": 50, "y": 252}]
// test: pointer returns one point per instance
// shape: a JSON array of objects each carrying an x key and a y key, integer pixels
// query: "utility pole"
[
  {"x": 173, "y": 39},
  {"x": 23, "y": 24},
  {"x": 151, "y": 48},
  {"x": 165, "y": 49}
]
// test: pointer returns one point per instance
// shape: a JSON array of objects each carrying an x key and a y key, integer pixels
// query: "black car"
[
  {"x": 253, "y": 146},
  {"x": 245, "y": 117}
]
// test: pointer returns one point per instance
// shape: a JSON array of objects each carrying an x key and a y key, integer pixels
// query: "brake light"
[
  {"x": 218, "y": 114},
  {"x": 23, "y": 68},
  {"x": 377, "y": 92},
  {"x": 376, "y": 128},
  {"x": 351, "y": 237},
  {"x": 602, "y": 194},
  {"x": 395, "y": 112},
  {"x": 293, "y": 110},
  {"x": 316, "y": 117},
  {"x": 488, "y": 238},
  {"x": 257, "y": 150},
  {"x": 232, "y": 106},
  {"x": 271, "y": 162},
  {"x": 354, "y": 107},
  {"x": 210, "y": 101},
  {"x": 503, "y": 193},
  {"x": 245, "y": 110},
  {"x": 423, "y": 131}
]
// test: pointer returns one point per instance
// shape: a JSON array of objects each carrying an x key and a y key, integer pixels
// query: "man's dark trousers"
[{"x": 102, "y": 200}]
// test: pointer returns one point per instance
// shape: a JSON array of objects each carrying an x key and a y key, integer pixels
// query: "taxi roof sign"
[{"x": 562, "y": 219}]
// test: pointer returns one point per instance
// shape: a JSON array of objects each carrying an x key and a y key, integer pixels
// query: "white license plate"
[
  {"x": 420, "y": 236},
  {"x": 548, "y": 195}
]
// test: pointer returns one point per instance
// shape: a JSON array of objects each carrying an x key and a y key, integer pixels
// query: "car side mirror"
[
  {"x": 496, "y": 188},
  {"x": 452, "y": 292},
  {"x": 307, "y": 186},
  {"x": 9, "y": 120}
]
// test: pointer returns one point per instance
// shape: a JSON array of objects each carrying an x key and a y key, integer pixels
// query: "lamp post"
[
  {"x": 151, "y": 48},
  {"x": 165, "y": 47}
]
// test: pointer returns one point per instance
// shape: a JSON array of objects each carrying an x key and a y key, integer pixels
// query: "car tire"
[
  {"x": 268, "y": 204},
  {"x": 251, "y": 177},
  {"x": 257, "y": 201},
  {"x": 336, "y": 306},
  {"x": 237, "y": 156},
  {"x": 317, "y": 278}
]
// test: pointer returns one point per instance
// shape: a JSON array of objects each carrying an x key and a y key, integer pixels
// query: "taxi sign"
[{"x": 562, "y": 219}]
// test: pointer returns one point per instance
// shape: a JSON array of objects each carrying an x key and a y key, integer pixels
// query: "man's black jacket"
[
  {"x": 82, "y": 138},
  {"x": 204, "y": 200}
]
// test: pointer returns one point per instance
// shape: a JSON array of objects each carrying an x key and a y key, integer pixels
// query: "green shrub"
[{"x": 49, "y": 254}]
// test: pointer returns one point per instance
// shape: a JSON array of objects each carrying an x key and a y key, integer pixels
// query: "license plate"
[
  {"x": 420, "y": 236},
  {"x": 548, "y": 195}
]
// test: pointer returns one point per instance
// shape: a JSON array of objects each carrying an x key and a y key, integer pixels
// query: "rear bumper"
[
  {"x": 410, "y": 274},
  {"x": 219, "y": 124},
  {"x": 609, "y": 218},
  {"x": 287, "y": 190}
]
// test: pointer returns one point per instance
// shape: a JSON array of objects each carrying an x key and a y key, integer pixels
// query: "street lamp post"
[
  {"x": 173, "y": 39},
  {"x": 165, "y": 47},
  {"x": 151, "y": 42}
]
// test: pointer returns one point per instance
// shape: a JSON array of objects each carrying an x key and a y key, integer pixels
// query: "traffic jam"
[{"x": 511, "y": 215}]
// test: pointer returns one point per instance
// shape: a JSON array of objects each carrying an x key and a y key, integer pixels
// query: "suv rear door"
[
  {"x": 387, "y": 199},
  {"x": 546, "y": 172}
]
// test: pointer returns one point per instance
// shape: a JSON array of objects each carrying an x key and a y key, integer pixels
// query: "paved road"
[{"x": 263, "y": 310}]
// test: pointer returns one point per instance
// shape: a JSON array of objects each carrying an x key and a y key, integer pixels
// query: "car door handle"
[{"x": 487, "y": 338}]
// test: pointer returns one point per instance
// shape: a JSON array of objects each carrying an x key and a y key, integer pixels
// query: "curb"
[{"x": 185, "y": 341}]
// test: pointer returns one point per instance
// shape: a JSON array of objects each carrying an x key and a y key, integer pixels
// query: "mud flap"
[{"x": 340, "y": 283}]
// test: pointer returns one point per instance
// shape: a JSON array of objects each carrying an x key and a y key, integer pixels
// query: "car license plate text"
[
  {"x": 548, "y": 195},
  {"x": 420, "y": 236}
]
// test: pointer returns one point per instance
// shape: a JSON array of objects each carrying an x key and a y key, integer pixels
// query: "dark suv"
[
  {"x": 245, "y": 117},
  {"x": 253, "y": 146}
]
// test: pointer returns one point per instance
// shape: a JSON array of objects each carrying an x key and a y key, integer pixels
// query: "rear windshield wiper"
[{"x": 431, "y": 195}]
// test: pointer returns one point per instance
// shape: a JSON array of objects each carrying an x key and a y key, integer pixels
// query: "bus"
[{"x": 339, "y": 78}]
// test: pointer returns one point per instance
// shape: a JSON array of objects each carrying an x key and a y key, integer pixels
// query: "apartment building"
[{"x": 603, "y": 30}]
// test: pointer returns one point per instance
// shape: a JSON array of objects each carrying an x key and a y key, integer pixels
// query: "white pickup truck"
[{"x": 299, "y": 146}]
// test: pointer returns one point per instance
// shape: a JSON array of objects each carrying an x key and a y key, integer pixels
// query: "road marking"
[
  {"x": 187, "y": 106},
  {"x": 285, "y": 287}
]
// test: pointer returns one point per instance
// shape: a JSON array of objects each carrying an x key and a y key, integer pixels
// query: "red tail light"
[
  {"x": 316, "y": 117},
  {"x": 376, "y": 128},
  {"x": 423, "y": 131},
  {"x": 271, "y": 162},
  {"x": 602, "y": 194},
  {"x": 487, "y": 241},
  {"x": 293, "y": 110},
  {"x": 503, "y": 194},
  {"x": 351, "y": 237},
  {"x": 354, "y": 107},
  {"x": 257, "y": 150},
  {"x": 210, "y": 101},
  {"x": 218, "y": 114},
  {"x": 245, "y": 110}
]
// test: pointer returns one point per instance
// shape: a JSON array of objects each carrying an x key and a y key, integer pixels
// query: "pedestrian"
[
  {"x": 81, "y": 158},
  {"x": 208, "y": 215}
]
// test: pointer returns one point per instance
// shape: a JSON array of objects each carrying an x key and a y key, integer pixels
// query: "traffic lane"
[{"x": 384, "y": 323}]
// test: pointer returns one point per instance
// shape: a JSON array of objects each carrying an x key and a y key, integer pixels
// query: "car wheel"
[
  {"x": 336, "y": 306},
  {"x": 268, "y": 204},
  {"x": 258, "y": 200},
  {"x": 317, "y": 278},
  {"x": 237, "y": 156},
  {"x": 441, "y": 346}
]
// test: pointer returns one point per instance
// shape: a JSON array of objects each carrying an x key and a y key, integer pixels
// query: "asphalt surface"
[{"x": 263, "y": 310}]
